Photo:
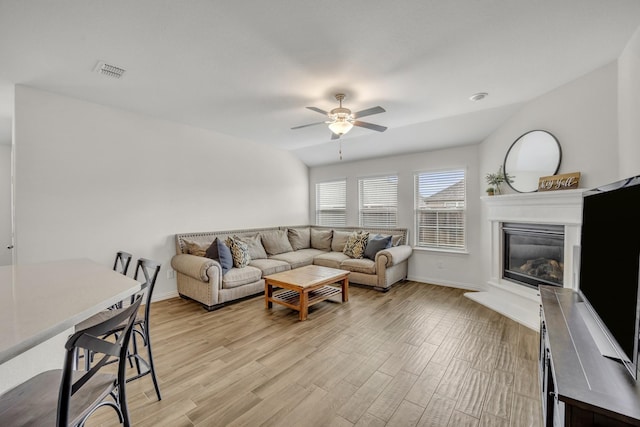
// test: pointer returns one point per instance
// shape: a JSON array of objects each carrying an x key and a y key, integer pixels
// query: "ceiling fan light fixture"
[{"x": 340, "y": 126}]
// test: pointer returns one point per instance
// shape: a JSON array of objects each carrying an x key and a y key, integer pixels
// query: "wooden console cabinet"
[{"x": 579, "y": 386}]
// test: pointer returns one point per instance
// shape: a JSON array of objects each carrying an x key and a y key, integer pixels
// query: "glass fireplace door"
[{"x": 533, "y": 254}]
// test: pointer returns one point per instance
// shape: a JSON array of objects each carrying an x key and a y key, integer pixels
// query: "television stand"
[{"x": 580, "y": 386}]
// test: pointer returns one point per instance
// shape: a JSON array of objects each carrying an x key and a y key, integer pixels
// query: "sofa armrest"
[
  {"x": 394, "y": 255},
  {"x": 193, "y": 266}
]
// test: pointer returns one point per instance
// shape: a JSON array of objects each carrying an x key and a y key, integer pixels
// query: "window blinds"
[
  {"x": 440, "y": 206},
  {"x": 378, "y": 201},
  {"x": 331, "y": 203}
]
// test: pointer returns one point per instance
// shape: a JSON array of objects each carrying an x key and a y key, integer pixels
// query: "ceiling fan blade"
[
  {"x": 310, "y": 124},
  {"x": 317, "y": 110},
  {"x": 369, "y": 111},
  {"x": 335, "y": 136},
  {"x": 370, "y": 126}
]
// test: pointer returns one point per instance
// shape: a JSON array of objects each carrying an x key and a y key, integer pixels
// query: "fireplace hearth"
[{"x": 533, "y": 254}]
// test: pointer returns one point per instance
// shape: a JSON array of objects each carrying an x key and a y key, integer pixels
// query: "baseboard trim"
[
  {"x": 166, "y": 295},
  {"x": 439, "y": 282}
]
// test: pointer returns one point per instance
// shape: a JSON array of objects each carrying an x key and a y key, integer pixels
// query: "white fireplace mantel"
[{"x": 562, "y": 207}]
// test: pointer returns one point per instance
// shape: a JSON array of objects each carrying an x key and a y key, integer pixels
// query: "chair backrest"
[
  {"x": 149, "y": 270},
  {"x": 121, "y": 263},
  {"x": 90, "y": 339}
]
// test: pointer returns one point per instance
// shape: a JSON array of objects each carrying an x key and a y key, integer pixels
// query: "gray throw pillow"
[
  {"x": 276, "y": 242},
  {"x": 225, "y": 257},
  {"x": 212, "y": 250},
  {"x": 321, "y": 239},
  {"x": 376, "y": 244}
]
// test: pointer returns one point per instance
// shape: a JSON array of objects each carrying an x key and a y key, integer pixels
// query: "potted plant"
[
  {"x": 490, "y": 191},
  {"x": 495, "y": 179}
]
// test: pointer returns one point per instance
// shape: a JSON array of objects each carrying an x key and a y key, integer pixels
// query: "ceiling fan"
[{"x": 341, "y": 119}]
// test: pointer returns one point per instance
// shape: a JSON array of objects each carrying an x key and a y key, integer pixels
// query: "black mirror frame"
[{"x": 504, "y": 165}]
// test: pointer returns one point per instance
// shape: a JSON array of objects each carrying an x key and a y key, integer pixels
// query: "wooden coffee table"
[{"x": 305, "y": 286}]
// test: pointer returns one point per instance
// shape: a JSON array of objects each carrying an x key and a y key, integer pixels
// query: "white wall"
[
  {"x": 444, "y": 268},
  {"x": 91, "y": 180},
  {"x": 583, "y": 116},
  {"x": 629, "y": 108},
  {"x": 5, "y": 203}
]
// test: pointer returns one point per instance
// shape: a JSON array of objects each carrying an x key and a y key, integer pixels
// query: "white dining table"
[{"x": 39, "y": 302}]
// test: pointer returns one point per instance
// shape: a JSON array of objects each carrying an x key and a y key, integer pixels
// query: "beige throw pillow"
[
  {"x": 356, "y": 244},
  {"x": 196, "y": 248},
  {"x": 239, "y": 252}
]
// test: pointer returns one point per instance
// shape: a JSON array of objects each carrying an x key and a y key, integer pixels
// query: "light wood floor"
[{"x": 419, "y": 355}]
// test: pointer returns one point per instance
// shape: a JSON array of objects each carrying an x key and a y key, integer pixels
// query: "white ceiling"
[{"x": 248, "y": 68}]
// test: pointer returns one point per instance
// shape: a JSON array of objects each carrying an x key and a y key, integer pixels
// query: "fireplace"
[
  {"x": 533, "y": 254},
  {"x": 562, "y": 210}
]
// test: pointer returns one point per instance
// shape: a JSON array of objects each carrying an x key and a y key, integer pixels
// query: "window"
[
  {"x": 440, "y": 206},
  {"x": 331, "y": 203},
  {"x": 378, "y": 201}
]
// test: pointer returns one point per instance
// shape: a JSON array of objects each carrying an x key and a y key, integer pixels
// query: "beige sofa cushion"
[
  {"x": 299, "y": 258},
  {"x": 331, "y": 259},
  {"x": 321, "y": 239},
  {"x": 300, "y": 238},
  {"x": 254, "y": 244},
  {"x": 363, "y": 265},
  {"x": 270, "y": 266},
  {"x": 339, "y": 239},
  {"x": 276, "y": 242},
  {"x": 241, "y": 276}
]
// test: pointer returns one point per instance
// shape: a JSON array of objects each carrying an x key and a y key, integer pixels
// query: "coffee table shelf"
[{"x": 291, "y": 299}]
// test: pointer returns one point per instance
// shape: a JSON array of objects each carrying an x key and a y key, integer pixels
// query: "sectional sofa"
[{"x": 201, "y": 277}]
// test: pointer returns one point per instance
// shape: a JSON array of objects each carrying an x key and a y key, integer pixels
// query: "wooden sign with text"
[{"x": 566, "y": 181}]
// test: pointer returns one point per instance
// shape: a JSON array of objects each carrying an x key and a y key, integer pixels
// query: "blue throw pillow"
[
  {"x": 375, "y": 245},
  {"x": 225, "y": 257}
]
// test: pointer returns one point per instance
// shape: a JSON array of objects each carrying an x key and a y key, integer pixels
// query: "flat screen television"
[{"x": 609, "y": 266}]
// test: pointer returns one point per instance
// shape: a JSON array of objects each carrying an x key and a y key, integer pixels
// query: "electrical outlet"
[{"x": 171, "y": 274}]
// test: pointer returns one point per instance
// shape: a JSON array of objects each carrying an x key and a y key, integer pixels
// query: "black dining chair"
[
  {"x": 149, "y": 269},
  {"x": 67, "y": 397},
  {"x": 122, "y": 261},
  {"x": 146, "y": 272},
  {"x": 121, "y": 265}
]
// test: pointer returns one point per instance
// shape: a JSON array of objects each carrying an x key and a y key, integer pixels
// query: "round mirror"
[{"x": 536, "y": 153}]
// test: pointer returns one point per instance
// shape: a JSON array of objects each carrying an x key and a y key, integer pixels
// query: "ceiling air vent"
[{"x": 109, "y": 70}]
